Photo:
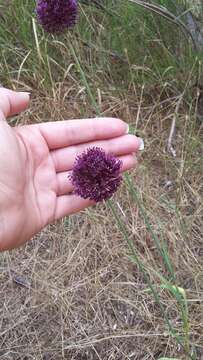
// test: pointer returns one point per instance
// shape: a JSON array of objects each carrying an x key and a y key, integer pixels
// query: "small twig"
[{"x": 170, "y": 148}]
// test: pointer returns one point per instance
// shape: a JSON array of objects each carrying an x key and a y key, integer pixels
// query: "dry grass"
[
  {"x": 83, "y": 298},
  {"x": 73, "y": 292}
]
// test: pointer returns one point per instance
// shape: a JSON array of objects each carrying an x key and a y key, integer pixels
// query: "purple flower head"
[
  {"x": 96, "y": 175},
  {"x": 56, "y": 15}
]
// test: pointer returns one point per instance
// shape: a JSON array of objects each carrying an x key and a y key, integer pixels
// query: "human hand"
[{"x": 35, "y": 161}]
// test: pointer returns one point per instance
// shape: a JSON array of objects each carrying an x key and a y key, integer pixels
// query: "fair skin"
[{"x": 35, "y": 161}]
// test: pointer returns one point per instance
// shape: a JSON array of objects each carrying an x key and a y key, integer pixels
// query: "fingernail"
[
  {"x": 127, "y": 129},
  {"x": 25, "y": 96},
  {"x": 141, "y": 146},
  {"x": 24, "y": 92}
]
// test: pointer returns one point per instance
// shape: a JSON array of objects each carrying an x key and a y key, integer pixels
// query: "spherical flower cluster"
[
  {"x": 56, "y": 15},
  {"x": 96, "y": 175}
]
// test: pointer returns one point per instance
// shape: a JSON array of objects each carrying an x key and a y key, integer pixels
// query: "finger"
[
  {"x": 12, "y": 102},
  {"x": 64, "y": 133},
  {"x": 64, "y": 158},
  {"x": 70, "y": 204},
  {"x": 64, "y": 185}
]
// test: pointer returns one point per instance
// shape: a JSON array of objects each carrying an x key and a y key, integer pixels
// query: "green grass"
[{"x": 135, "y": 36}]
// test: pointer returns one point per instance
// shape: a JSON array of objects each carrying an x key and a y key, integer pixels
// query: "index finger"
[{"x": 70, "y": 132}]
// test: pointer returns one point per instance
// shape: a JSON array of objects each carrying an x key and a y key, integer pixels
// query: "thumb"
[{"x": 12, "y": 102}]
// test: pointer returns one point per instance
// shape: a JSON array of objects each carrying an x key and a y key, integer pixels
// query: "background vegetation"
[{"x": 79, "y": 290}]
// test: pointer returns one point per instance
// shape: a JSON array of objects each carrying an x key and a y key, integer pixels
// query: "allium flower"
[
  {"x": 56, "y": 15},
  {"x": 96, "y": 175}
]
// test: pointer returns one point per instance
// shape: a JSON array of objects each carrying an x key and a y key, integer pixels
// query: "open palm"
[{"x": 35, "y": 162}]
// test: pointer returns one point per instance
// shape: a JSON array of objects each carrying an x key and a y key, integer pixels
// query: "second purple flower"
[{"x": 56, "y": 15}]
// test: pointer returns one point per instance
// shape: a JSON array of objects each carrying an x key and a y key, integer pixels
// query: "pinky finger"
[{"x": 128, "y": 162}]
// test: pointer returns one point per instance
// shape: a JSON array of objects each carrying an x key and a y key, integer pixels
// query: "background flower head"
[
  {"x": 96, "y": 175},
  {"x": 56, "y": 15}
]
